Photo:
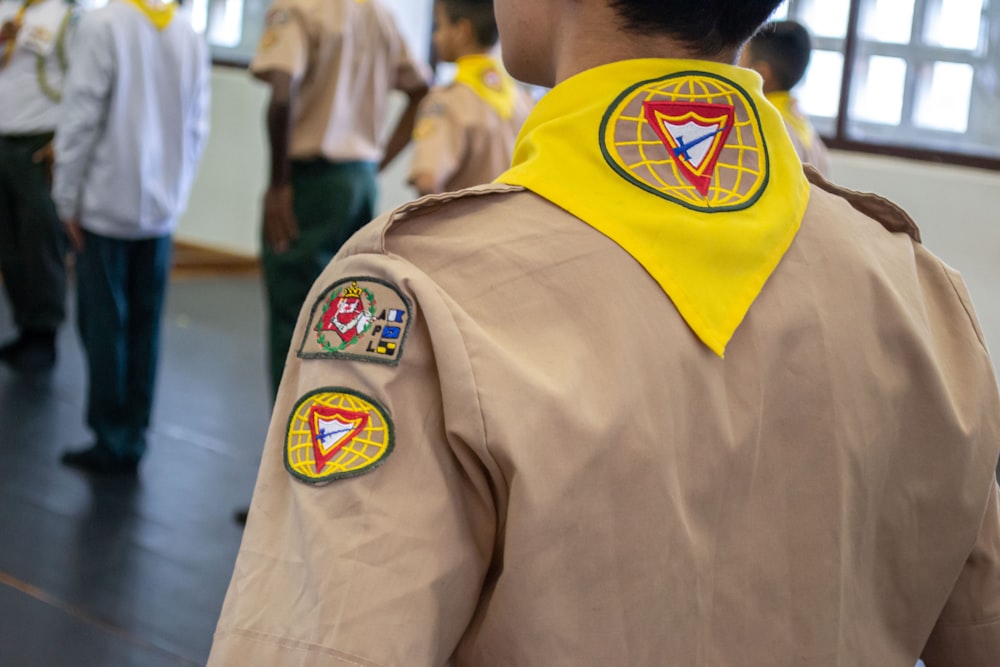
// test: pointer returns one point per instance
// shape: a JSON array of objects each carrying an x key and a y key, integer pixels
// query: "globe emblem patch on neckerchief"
[{"x": 692, "y": 138}]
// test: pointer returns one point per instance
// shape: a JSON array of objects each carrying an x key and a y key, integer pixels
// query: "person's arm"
[
  {"x": 404, "y": 128},
  {"x": 968, "y": 629},
  {"x": 279, "y": 225},
  {"x": 438, "y": 143},
  {"x": 86, "y": 95},
  {"x": 384, "y": 565}
]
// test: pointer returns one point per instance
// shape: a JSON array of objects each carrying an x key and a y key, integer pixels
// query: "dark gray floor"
[{"x": 111, "y": 572}]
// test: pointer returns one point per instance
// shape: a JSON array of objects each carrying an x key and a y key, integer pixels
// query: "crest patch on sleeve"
[
  {"x": 364, "y": 319},
  {"x": 336, "y": 433}
]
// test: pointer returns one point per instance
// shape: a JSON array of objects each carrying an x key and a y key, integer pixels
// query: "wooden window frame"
[{"x": 841, "y": 138}]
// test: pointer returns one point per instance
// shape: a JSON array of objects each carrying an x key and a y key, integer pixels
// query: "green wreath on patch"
[{"x": 321, "y": 336}]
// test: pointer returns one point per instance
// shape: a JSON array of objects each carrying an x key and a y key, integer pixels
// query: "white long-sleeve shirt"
[{"x": 133, "y": 123}]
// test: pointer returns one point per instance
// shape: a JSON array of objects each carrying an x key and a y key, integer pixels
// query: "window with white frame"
[{"x": 923, "y": 74}]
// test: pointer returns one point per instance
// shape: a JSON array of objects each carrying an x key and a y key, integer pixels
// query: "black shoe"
[
  {"x": 240, "y": 516},
  {"x": 31, "y": 353},
  {"x": 101, "y": 460},
  {"x": 9, "y": 350}
]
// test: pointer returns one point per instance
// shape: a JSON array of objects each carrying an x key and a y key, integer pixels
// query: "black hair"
[
  {"x": 709, "y": 27},
  {"x": 786, "y": 47},
  {"x": 477, "y": 12}
]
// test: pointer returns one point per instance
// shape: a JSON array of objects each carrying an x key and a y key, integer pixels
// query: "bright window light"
[
  {"x": 781, "y": 13},
  {"x": 954, "y": 24},
  {"x": 943, "y": 97},
  {"x": 225, "y": 22},
  {"x": 819, "y": 92},
  {"x": 825, "y": 18},
  {"x": 879, "y": 96},
  {"x": 888, "y": 21}
]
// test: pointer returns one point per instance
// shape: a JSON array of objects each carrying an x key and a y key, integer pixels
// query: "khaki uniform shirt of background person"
[
  {"x": 808, "y": 144},
  {"x": 513, "y": 430},
  {"x": 466, "y": 130},
  {"x": 342, "y": 88}
]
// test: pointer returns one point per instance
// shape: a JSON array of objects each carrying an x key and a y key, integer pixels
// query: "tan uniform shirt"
[
  {"x": 461, "y": 140},
  {"x": 808, "y": 144},
  {"x": 575, "y": 479},
  {"x": 345, "y": 56}
]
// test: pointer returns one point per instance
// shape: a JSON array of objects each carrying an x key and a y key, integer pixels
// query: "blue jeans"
[{"x": 120, "y": 290}]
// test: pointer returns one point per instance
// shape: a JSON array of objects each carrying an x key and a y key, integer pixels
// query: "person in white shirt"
[
  {"x": 130, "y": 135},
  {"x": 34, "y": 36}
]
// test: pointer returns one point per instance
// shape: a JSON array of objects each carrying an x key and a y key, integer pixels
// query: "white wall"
[{"x": 958, "y": 212}]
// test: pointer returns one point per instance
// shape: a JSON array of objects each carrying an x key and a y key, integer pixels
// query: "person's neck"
[
  {"x": 471, "y": 50},
  {"x": 593, "y": 38}
]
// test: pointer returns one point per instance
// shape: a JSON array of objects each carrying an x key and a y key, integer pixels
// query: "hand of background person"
[
  {"x": 9, "y": 30},
  {"x": 280, "y": 226},
  {"x": 75, "y": 234},
  {"x": 46, "y": 157}
]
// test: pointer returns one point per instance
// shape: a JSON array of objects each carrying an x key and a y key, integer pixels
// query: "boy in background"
[
  {"x": 33, "y": 62},
  {"x": 466, "y": 130},
  {"x": 780, "y": 53},
  {"x": 132, "y": 127},
  {"x": 331, "y": 67}
]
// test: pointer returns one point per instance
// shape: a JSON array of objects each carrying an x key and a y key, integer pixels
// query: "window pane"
[
  {"x": 825, "y": 18},
  {"x": 954, "y": 23},
  {"x": 225, "y": 22},
  {"x": 878, "y": 95},
  {"x": 819, "y": 92},
  {"x": 943, "y": 97},
  {"x": 781, "y": 13},
  {"x": 887, "y": 20}
]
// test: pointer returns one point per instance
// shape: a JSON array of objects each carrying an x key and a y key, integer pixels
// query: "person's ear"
[{"x": 465, "y": 31}]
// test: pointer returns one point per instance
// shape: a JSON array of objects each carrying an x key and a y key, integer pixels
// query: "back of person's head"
[
  {"x": 479, "y": 13},
  {"x": 708, "y": 27},
  {"x": 785, "y": 47}
]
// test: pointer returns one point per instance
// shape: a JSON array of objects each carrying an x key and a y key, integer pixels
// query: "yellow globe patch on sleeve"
[{"x": 336, "y": 433}]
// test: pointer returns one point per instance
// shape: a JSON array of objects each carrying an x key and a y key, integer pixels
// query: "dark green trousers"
[
  {"x": 332, "y": 200},
  {"x": 32, "y": 239}
]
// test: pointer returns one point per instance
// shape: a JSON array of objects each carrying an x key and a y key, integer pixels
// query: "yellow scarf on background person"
[
  {"x": 8, "y": 50},
  {"x": 160, "y": 14},
  {"x": 484, "y": 75},
  {"x": 789, "y": 110},
  {"x": 683, "y": 164}
]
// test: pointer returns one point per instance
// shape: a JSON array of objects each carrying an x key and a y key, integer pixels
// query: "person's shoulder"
[
  {"x": 876, "y": 208},
  {"x": 508, "y": 211}
]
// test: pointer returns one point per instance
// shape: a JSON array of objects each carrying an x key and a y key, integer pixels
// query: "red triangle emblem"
[
  {"x": 694, "y": 133},
  {"x": 332, "y": 428}
]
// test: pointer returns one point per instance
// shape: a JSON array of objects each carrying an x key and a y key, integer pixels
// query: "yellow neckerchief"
[
  {"x": 8, "y": 50},
  {"x": 160, "y": 14},
  {"x": 484, "y": 75},
  {"x": 707, "y": 199},
  {"x": 789, "y": 109}
]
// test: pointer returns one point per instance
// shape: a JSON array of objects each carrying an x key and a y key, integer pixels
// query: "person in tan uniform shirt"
[
  {"x": 466, "y": 130},
  {"x": 331, "y": 65},
  {"x": 780, "y": 53},
  {"x": 657, "y": 397}
]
